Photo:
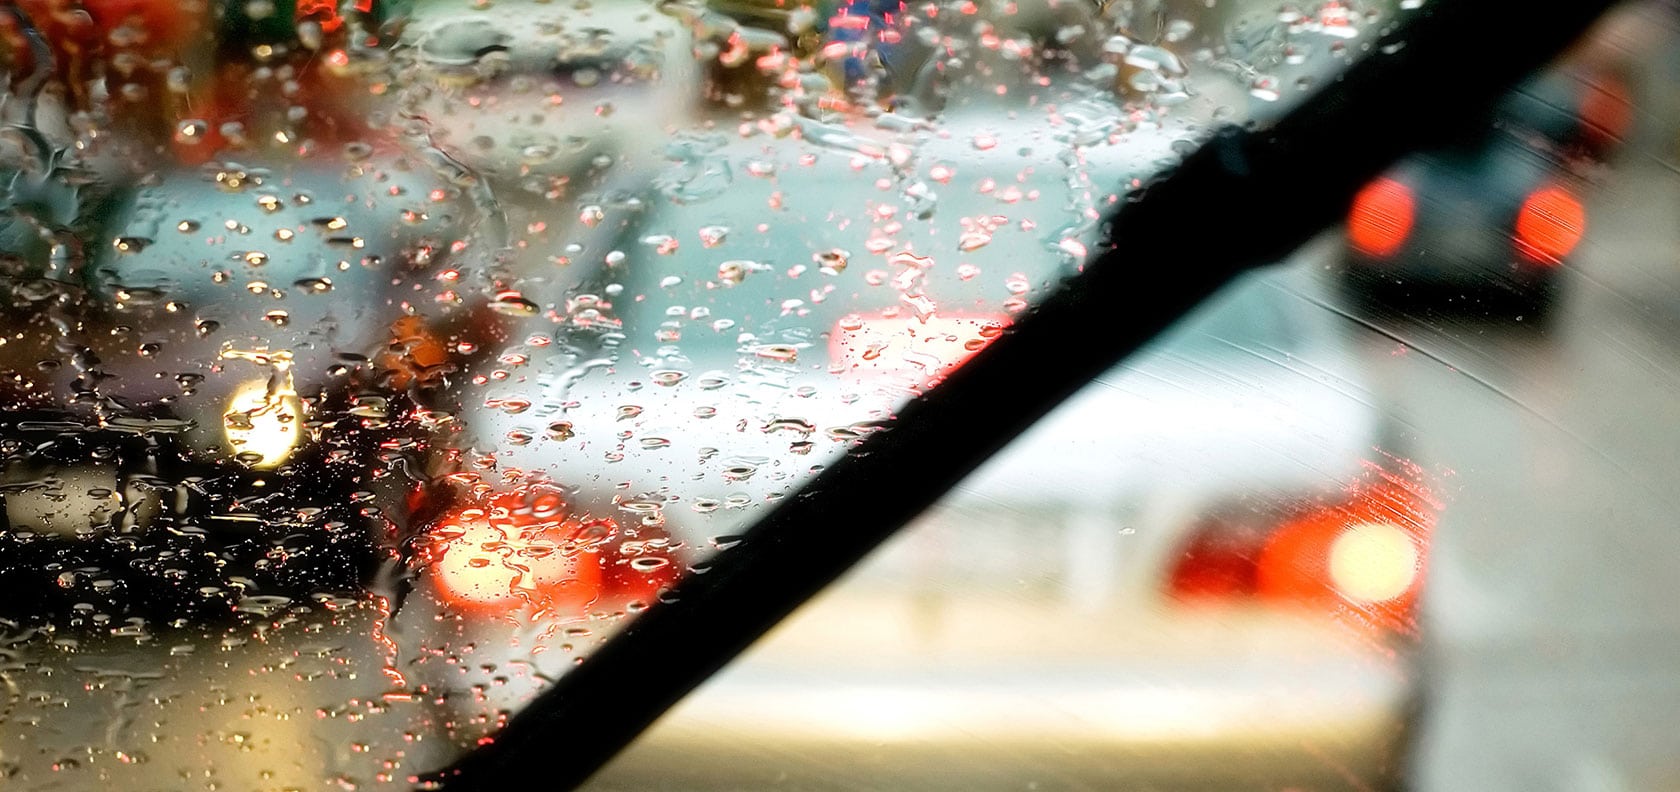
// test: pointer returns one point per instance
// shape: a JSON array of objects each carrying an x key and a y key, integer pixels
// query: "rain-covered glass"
[{"x": 366, "y": 363}]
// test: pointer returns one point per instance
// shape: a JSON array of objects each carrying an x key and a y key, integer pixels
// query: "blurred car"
[{"x": 1491, "y": 220}]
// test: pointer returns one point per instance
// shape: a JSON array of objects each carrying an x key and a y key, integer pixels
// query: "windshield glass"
[{"x": 366, "y": 365}]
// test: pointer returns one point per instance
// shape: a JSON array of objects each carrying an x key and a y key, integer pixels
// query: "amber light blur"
[
  {"x": 897, "y": 345},
  {"x": 263, "y": 426},
  {"x": 1550, "y": 225},
  {"x": 415, "y": 353},
  {"x": 1381, "y": 218}
]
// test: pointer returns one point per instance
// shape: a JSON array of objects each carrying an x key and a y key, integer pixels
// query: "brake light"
[
  {"x": 488, "y": 567},
  {"x": 1217, "y": 566},
  {"x": 929, "y": 348},
  {"x": 518, "y": 551},
  {"x": 1374, "y": 562},
  {"x": 1381, "y": 218},
  {"x": 642, "y": 571},
  {"x": 1549, "y": 225},
  {"x": 1606, "y": 111},
  {"x": 1360, "y": 560}
]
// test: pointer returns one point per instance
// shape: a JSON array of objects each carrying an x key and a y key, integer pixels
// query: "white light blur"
[
  {"x": 265, "y": 425},
  {"x": 1373, "y": 562}
]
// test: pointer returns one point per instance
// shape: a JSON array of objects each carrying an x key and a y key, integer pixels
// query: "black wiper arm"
[{"x": 1243, "y": 200}]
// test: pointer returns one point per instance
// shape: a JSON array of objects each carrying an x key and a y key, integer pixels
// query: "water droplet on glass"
[
  {"x": 832, "y": 262},
  {"x": 192, "y": 132},
  {"x": 735, "y": 271},
  {"x": 739, "y": 470},
  {"x": 512, "y": 303},
  {"x": 648, "y": 563},
  {"x": 974, "y": 240},
  {"x": 781, "y": 353},
  {"x": 713, "y": 235}
]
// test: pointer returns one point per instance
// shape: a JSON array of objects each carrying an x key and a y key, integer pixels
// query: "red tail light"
[
  {"x": 1606, "y": 110},
  {"x": 1216, "y": 567},
  {"x": 492, "y": 568},
  {"x": 1550, "y": 225},
  {"x": 903, "y": 345},
  {"x": 1381, "y": 218},
  {"x": 1360, "y": 560},
  {"x": 530, "y": 550},
  {"x": 642, "y": 570},
  {"x": 518, "y": 551}
]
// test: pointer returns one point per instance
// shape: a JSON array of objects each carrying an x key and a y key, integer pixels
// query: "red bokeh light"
[
  {"x": 1381, "y": 218},
  {"x": 516, "y": 551},
  {"x": 1550, "y": 225}
]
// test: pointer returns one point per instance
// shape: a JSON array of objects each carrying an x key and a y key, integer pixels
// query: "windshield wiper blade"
[{"x": 1245, "y": 199}]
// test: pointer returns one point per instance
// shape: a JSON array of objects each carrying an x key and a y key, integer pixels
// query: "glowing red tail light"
[
  {"x": 518, "y": 551},
  {"x": 642, "y": 571},
  {"x": 1550, "y": 225},
  {"x": 1381, "y": 218},
  {"x": 887, "y": 345},
  {"x": 1606, "y": 111},
  {"x": 1363, "y": 559},
  {"x": 485, "y": 567},
  {"x": 530, "y": 551},
  {"x": 1360, "y": 560},
  {"x": 1215, "y": 568}
]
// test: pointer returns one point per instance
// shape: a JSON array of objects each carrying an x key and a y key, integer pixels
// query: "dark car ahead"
[{"x": 1490, "y": 220}]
